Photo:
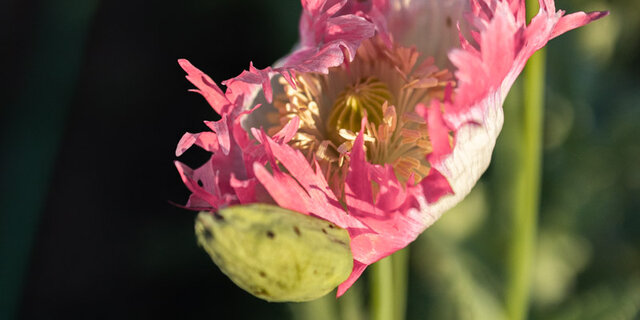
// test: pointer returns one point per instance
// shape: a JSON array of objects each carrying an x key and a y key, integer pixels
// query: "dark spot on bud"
[
  {"x": 297, "y": 231},
  {"x": 260, "y": 291},
  {"x": 218, "y": 216},
  {"x": 324, "y": 231},
  {"x": 262, "y": 274},
  {"x": 338, "y": 241},
  {"x": 331, "y": 226},
  {"x": 200, "y": 183},
  {"x": 208, "y": 235},
  {"x": 449, "y": 22},
  {"x": 270, "y": 234}
]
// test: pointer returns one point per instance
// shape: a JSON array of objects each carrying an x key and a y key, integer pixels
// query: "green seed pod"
[{"x": 274, "y": 253}]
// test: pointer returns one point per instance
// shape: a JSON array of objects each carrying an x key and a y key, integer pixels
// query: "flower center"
[
  {"x": 385, "y": 85},
  {"x": 364, "y": 98}
]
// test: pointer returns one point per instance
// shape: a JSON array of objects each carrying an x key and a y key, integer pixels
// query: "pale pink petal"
[{"x": 429, "y": 25}]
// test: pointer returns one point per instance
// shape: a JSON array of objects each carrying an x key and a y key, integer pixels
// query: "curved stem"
[{"x": 527, "y": 187}]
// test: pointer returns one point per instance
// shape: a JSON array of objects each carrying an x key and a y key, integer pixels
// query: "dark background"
[
  {"x": 101, "y": 103},
  {"x": 95, "y": 102}
]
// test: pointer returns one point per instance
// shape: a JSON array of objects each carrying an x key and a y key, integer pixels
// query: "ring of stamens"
[{"x": 385, "y": 84}]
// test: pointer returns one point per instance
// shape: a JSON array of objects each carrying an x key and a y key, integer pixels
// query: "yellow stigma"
[{"x": 367, "y": 95}]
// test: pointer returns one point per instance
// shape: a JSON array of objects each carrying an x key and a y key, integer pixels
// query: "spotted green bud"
[{"x": 276, "y": 254}]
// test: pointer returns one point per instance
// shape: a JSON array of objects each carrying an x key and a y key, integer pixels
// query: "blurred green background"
[{"x": 94, "y": 103}]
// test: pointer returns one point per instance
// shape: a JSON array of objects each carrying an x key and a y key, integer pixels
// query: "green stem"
[
  {"x": 382, "y": 300},
  {"x": 527, "y": 187},
  {"x": 400, "y": 262},
  {"x": 319, "y": 309},
  {"x": 350, "y": 304}
]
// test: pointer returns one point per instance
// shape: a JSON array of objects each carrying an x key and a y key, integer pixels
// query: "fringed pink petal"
[
  {"x": 245, "y": 190},
  {"x": 376, "y": 14},
  {"x": 438, "y": 131},
  {"x": 202, "y": 196},
  {"x": 486, "y": 66},
  {"x": 233, "y": 155},
  {"x": 368, "y": 248},
  {"x": 358, "y": 182},
  {"x": 317, "y": 8},
  {"x": 481, "y": 72},
  {"x": 312, "y": 193},
  {"x": 284, "y": 190},
  {"x": 391, "y": 223},
  {"x": 221, "y": 128},
  {"x": 347, "y": 32},
  {"x": 358, "y": 269},
  {"x": 250, "y": 80},
  {"x": 287, "y": 132},
  {"x": 468, "y": 160},
  {"x": 206, "y": 87},
  {"x": 392, "y": 194},
  {"x": 575, "y": 20},
  {"x": 205, "y": 140},
  {"x": 240, "y": 135},
  {"x": 327, "y": 40},
  {"x": 315, "y": 14},
  {"x": 435, "y": 186},
  {"x": 504, "y": 45}
]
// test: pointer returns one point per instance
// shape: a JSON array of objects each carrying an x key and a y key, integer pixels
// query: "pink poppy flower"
[{"x": 382, "y": 118}]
